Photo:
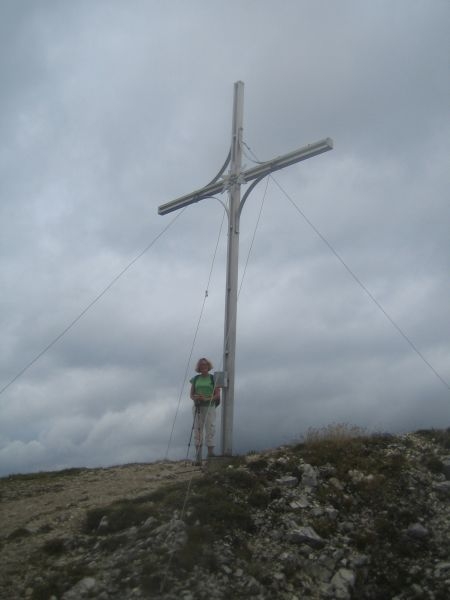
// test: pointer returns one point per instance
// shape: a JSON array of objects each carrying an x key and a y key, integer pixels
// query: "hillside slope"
[{"x": 341, "y": 516}]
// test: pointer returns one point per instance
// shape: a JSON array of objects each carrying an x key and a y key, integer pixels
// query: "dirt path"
[{"x": 60, "y": 500}]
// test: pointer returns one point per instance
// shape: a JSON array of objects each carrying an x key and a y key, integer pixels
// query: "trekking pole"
[{"x": 197, "y": 408}]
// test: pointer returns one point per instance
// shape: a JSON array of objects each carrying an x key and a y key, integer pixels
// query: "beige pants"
[{"x": 204, "y": 418}]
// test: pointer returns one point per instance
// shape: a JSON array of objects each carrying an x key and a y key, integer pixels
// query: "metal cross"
[{"x": 232, "y": 183}]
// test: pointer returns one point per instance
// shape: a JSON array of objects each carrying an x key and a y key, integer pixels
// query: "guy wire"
[
  {"x": 188, "y": 489},
  {"x": 90, "y": 305},
  {"x": 194, "y": 338},
  {"x": 355, "y": 277},
  {"x": 253, "y": 238}
]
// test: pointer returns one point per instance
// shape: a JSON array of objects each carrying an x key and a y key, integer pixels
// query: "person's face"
[{"x": 203, "y": 366}]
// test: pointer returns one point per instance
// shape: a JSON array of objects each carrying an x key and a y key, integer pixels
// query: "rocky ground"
[{"x": 342, "y": 516}]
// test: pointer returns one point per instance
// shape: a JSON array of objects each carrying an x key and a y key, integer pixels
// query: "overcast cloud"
[{"x": 109, "y": 109}]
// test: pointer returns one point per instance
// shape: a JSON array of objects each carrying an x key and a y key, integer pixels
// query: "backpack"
[{"x": 216, "y": 402}]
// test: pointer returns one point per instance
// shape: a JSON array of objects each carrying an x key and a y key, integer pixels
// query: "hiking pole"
[{"x": 197, "y": 410}]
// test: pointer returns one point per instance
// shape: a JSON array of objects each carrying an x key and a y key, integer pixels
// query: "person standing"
[{"x": 206, "y": 396}]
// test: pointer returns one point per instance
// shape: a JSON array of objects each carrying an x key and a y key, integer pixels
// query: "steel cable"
[
  {"x": 89, "y": 306},
  {"x": 356, "y": 278}
]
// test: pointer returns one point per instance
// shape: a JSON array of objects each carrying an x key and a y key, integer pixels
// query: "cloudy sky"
[{"x": 109, "y": 109}]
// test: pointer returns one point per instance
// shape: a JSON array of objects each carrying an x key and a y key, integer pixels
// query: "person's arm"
[
  {"x": 195, "y": 396},
  {"x": 216, "y": 393}
]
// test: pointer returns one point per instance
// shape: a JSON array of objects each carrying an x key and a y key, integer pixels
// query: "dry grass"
[{"x": 337, "y": 433}]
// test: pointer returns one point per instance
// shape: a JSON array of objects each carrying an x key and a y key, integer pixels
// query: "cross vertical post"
[
  {"x": 232, "y": 182},
  {"x": 229, "y": 343}
]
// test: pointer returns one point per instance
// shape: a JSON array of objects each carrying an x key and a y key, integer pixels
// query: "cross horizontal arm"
[
  {"x": 192, "y": 198},
  {"x": 259, "y": 171},
  {"x": 287, "y": 159}
]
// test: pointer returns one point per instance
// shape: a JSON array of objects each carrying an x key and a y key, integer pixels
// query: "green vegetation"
[
  {"x": 21, "y": 532},
  {"x": 118, "y": 516},
  {"x": 347, "y": 448},
  {"x": 56, "y": 583},
  {"x": 55, "y": 546},
  {"x": 216, "y": 502}
]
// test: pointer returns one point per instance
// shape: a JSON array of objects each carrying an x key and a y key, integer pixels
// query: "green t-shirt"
[{"x": 204, "y": 386}]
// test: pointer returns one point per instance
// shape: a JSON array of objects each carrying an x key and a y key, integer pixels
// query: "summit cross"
[{"x": 232, "y": 183}]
